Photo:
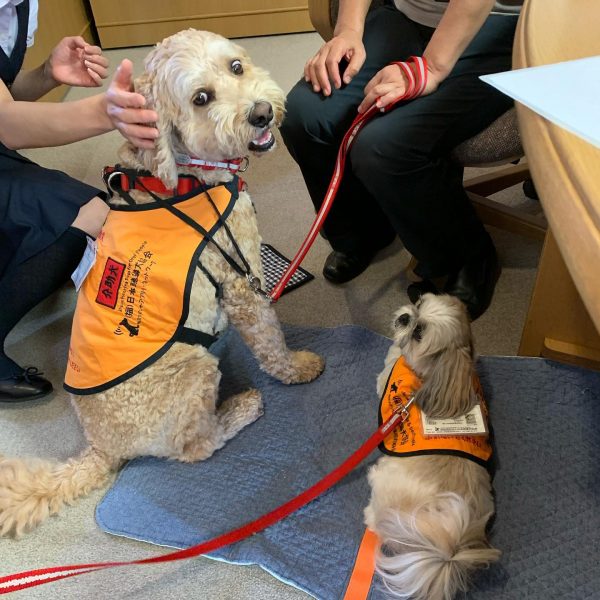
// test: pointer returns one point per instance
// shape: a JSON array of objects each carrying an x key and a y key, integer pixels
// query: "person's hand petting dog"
[
  {"x": 75, "y": 62},
  {"x": 125, "y": 109}
]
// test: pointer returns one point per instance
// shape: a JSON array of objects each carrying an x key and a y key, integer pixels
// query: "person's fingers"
[
  {"x": 356, "y": 59},
  {"x": 123, "y": 77},
  {"x": 142, "y": 143},
  {"x": 321, "y": 74},
  {"x": 131, "y": 115},
  {"x": 122, "y": 99},
  {"x": 99, "y": 70},
  {"x": 312, "y": 75},
  {"x": 96, "y": 50},
  {"x": 333, "y": 66},
  {"x": 307, "y": 70},
  {"x": 77, "y": 42},
  {"x": 97, "y": 59},
  {"x": 387, "y": 99},
  {"x": 373, "y": 95},
  {"x": 140, "y": 132},
  {"x": 375, "y": 80},
  {"x": 96, "y": 78}
]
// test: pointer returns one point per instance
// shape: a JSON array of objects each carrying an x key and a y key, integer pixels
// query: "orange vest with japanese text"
[
  {"x": 133, "y": 304},
  {"x": 408, "y": 439}
]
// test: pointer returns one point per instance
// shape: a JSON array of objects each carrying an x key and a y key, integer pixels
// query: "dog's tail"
[
  {"x": 431, "y": 553},
  {"x": 32, "y": 490}
]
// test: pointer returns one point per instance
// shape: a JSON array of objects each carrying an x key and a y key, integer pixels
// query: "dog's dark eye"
[
  {"x": 236, "y": 67},
  {"x": 201, "y": 98},
  {"x": 417, "y": 333},
  {"x": 403, "y": 320}
]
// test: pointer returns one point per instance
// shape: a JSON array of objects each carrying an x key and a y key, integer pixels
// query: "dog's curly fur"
[
  {"x": 170, "y": 409},
  {"x": 430, "y": 512}
]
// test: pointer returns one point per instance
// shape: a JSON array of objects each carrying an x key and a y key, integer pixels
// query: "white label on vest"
[
  {"x": 85, "y": 264},
  {"x": 472, "y": 423}
]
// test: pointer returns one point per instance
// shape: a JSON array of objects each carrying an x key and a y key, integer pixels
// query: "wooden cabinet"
[
  {"x": 122, "y": 23},
  {"x": 57, "y": 19}
]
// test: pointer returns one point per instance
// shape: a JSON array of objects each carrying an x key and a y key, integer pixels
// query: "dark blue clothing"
[
  {"x": 399, "y": 177},
  {"x": 37, "y": 205}
]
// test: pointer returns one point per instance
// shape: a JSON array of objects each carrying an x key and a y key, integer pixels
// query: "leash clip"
[
  {"x": 254, "y": 283},
  {"x": 403, "y": 412}
]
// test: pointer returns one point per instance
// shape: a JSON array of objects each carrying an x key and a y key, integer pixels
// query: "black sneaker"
[{"x": 28, "y": 385}]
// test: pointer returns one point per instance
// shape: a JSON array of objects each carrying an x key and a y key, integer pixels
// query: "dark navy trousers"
[{"x": 399, "y": 177}]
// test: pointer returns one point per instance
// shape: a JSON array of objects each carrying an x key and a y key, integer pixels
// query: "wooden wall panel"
[
  {"x": 57, "y": 19},
  {"x": 145, "y": 22}
]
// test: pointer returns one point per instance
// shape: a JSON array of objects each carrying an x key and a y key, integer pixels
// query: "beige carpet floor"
[{"x": 49, "y": 429}]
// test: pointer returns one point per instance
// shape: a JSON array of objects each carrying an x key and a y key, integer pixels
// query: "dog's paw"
[
  {"x": 242, "y": 409},
  {"x": 305, "y": 366},
  {"x": 252, "y": 405}
]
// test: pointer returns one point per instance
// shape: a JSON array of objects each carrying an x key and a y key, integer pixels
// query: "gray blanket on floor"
[{"x": 546, "y": 418}]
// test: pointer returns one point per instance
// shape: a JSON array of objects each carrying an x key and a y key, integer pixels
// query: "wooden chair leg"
[
  {"x": 490, "y": 183},
  {"x": 508, "y": 218}
]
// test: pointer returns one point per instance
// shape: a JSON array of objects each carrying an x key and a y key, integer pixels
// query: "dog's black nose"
[
  {"x": 403, "y": 320},
  {"x": 261, "y": 114}
]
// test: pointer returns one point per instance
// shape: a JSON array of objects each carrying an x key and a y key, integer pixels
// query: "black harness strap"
[
  {"x": 218, "y": 287},
  {"x": 192, "y": 337},
  {"x": 243, "y": 271}
]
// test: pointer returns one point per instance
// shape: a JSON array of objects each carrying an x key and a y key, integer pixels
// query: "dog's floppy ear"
[
  {"x": 160, "y": 160},
  {"x": 447, "y": 389}
]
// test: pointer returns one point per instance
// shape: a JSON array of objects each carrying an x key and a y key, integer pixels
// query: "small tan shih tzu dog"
[{"x": 431, "y": 500}]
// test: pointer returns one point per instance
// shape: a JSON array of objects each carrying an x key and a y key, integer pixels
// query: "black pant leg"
[
  {"x": 403, "y": 157},
  {"x": 25, "y": 285},
  {"x": 315, "y": 125}
]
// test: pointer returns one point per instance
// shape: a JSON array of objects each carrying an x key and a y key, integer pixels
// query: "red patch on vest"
[{"x": 108, "y": 292}]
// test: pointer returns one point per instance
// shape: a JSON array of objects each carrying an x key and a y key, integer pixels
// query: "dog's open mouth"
[{"x": 263, "y": 143}]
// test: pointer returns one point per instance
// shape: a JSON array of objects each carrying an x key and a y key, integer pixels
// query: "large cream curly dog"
[
  {"x": 430, "y": 512},
  {"x": 213, "y": 104}
]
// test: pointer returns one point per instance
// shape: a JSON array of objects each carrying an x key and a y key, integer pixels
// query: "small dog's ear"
[
  {"x": 447, "y": 389},
  {"x": 160, "y": 160}
]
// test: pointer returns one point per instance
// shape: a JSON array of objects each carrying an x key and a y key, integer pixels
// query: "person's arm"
[
  {"x": 324, "y": 68},
  {"x": 459, "y": 25},
  {"x": 43, "y": 124},
  {"x": 72, "y": 62}
]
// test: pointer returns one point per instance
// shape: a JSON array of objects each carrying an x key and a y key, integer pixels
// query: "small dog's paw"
[
  {"x": 253, "y": 405},
  {"x": 306, "y": 366}
]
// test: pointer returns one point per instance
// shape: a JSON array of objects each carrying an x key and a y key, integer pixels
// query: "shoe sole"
[{"x": 25, "y": 399}]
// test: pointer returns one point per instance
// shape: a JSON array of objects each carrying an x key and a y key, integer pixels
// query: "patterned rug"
[{"x": 274, "y": 265}]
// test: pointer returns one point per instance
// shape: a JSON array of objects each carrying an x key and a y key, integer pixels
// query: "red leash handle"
[
  {"x": 417, "y": 82},
  {"x": 27, "y": 579}
]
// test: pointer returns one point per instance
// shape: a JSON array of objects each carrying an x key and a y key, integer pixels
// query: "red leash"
[
  {"x": 417, "y": 81},
  {"x": 27, "y": 579}
]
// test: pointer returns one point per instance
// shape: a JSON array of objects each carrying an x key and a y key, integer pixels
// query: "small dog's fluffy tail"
[
  {"x": 32, "y": 490},
  {"x": 431, "y": 553}
]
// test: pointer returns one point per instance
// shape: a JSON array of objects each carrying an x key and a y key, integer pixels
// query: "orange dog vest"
[
  {"x": 134, "y": 302},
  {"x": 408, "y": 438}
]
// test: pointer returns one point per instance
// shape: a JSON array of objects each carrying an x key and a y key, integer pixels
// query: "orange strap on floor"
[{"x": 364, "y": 568}]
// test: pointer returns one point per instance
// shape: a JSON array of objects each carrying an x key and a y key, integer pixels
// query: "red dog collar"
[{"x": 119, "y": 179}]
